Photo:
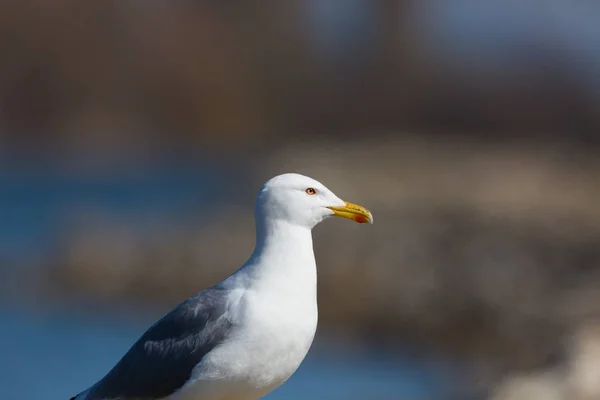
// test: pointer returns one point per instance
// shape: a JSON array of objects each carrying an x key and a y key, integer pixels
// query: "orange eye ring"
[{"x": 311, "y": 191}]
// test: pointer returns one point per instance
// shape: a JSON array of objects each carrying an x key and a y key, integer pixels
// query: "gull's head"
[{"x": 304, "y": 201}]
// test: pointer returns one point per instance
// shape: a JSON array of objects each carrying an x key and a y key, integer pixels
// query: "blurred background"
[{"x": 135, "y": 134}]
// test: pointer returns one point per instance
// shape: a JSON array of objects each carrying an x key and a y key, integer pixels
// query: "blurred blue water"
[
  {"x": 37, "y": 200},
  {"x": 55, "y": 355}
]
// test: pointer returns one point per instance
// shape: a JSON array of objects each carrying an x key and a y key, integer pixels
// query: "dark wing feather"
[{"x": 161, "y": 361}]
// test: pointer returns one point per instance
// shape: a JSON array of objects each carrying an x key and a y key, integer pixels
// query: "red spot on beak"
[{"x": 360, "y": 219}]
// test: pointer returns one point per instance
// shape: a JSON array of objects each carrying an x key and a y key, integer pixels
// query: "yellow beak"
[{"x": 354, "y": 212}]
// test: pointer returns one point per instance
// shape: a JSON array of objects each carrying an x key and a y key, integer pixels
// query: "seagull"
[{"x": 245, "y": 336}]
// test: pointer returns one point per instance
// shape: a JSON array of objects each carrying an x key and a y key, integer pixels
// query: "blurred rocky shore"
[{"x": 483, "y": 252}]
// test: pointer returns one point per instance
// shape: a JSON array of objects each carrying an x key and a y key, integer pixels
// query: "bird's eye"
[{"x": 311, "y": 191}]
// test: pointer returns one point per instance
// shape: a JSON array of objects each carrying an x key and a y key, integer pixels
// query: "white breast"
[{"x": 260, "y": 354}]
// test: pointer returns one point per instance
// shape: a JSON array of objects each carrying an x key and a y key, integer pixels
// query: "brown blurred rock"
[
  {"x": 584, "y": 375},
  {"x": 543, "y": 386},
  {"x": 578, "y": 378}
]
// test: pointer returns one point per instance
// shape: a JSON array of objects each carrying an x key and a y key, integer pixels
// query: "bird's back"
[{"x": 163, "y": 359}]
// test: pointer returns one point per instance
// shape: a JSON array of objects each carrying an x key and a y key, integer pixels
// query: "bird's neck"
[{"x": 283, "y": 252}]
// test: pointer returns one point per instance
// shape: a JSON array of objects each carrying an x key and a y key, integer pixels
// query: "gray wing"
[{"x": 161, "y": 361}]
